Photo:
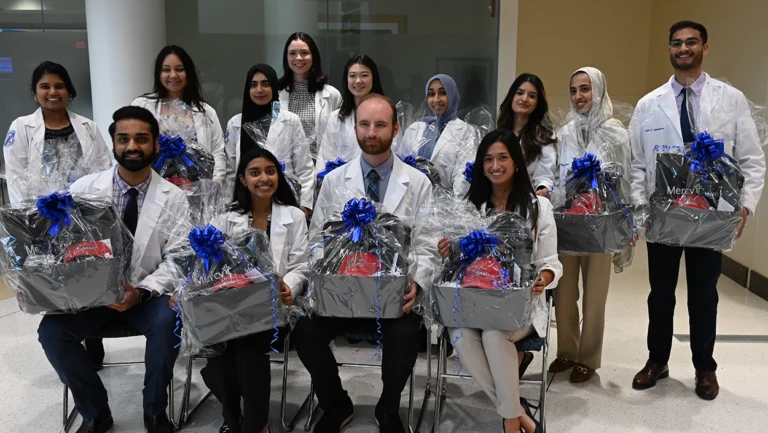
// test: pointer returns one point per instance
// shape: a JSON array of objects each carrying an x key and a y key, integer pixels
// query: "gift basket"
[
  {"x": 229, "y": 288},
  {"x": 591, "y": 217},
  {"x": 695, "y": 202},
  {"x": 62, "y": 253},
  {"x": 359, "y": 263},
  {"x": 181, "y": 160},
  {"x": 486, "y": 282}
]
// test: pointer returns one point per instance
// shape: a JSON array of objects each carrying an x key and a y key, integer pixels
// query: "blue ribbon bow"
[
  {"x": 587, "y": 167},
  {"x": 330, "y": 166},
  {"x": 411, "y": 160},
  {"x": 54, "y": 207},
  {"x": 172, "y": 148},
  {"x": 356, "y": 215},
  {"x": 207, "y": 242},
  {"x": 468, "y": 171},
  {"x": 475, "y": 243}
]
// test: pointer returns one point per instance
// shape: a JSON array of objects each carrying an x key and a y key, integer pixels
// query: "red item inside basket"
[
  {"x": 88, "y": 248},
  {"x": 360, "y": 265},
  {"x": 692, "y": 201},
  {"x": 586, "y": 204},
  {"x": 484, "y": 273},
  {"x": 179, "y": 181},
  {"x": 232, "y": 281}
]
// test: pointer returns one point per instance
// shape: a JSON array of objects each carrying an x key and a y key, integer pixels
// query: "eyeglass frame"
[{"x": 690, "y": 43}]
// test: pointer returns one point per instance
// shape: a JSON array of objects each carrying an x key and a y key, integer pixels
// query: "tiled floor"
[{"x": 31, "y": 391}]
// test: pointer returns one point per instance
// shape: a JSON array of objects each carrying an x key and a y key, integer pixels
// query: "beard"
[
  {"x": 135, "y": 165},
  {"x": 696, "y": 61},
  {"x": 381, "y": 146}
]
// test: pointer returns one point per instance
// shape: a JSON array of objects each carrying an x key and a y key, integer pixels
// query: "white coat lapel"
[
  {"x": 82, "y": 131},
  {"x": 446, "y": 137},
  {"x": 201, "y": 128},
  {"x": 397, "y": 186},
  {"x": 278, "y": 233},
  {"x": 710, "y": 98},
  {"x": 668, "y": 104},
  {"x": 36, "y": 130},
  {"x": 275, "y": 131},
  {"x": 321, "y": 101},
  {"x": 151, "y": 209},
  {"x": 354, "y": 177}
]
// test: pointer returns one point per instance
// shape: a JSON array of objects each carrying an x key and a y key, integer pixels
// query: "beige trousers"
[
  {"x": 490, "y": 357},
  {"x": 582, "y": 344}
]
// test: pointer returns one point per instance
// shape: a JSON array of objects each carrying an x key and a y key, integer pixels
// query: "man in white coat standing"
[
  {"x": 403, "y": 191},
  {"x": 144, "y": 200},
  {"x": 668, "y": 119}
]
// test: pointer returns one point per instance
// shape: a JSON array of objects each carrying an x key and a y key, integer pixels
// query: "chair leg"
[
  {"x": 411, "y": 387},
  {"x": 69, "y": 417},
  {"x": 428, "y": 386},
  {"x": 440, "y": 381}
]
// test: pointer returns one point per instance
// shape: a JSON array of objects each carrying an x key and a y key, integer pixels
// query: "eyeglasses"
[{"x": 690, "y": 43}]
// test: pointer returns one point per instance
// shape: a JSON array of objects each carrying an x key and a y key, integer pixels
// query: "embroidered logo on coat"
[{"x": 10, "y": 138}]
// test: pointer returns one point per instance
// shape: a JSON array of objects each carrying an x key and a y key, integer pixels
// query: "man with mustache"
[
  {"x": 146, "y": 202},
  {"x": 667, "y": 120},
  {"x": 404, "y": 192}
]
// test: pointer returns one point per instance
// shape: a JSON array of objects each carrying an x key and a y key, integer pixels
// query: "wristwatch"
[{"x": 144, "y": 294}]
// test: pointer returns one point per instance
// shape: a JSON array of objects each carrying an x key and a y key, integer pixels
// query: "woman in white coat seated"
[
  {"x": 304, "y": 89},
  {"x": 176, "y": 79},
  {"x": 34, "y": 141},
  {"x": 501, "y": 183},
  {"x": 524, "y": 111},
  {"x": 264, "y": 201},
  {"x": 339, "y": 140},
  {"x": 285, "y": 135},
  {"x": 439, "y": 136}
]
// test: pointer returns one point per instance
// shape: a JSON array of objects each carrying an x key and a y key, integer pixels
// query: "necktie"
[
  {"x": 685, "y": 119},
  {"x": 131, "y": 214},
  {"x": 373, "y": 185}
]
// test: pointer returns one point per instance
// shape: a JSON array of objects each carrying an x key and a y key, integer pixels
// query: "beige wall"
[{"x": 628, "y": 41}]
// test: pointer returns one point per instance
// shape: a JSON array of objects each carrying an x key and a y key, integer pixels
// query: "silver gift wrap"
[
  {"x": 354, "y": 297},
  {"x": 593, "y": 234},
  {"x": 694, "y": 228},
  {"x": 505, "y": 310},
  {"x": 231, "y": 313}
]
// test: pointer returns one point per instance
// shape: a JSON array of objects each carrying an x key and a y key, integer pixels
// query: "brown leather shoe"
[
  {"x": 560, "y": 365},
  {"x": 706, "y": 385},
  {"x": 647, "y": 377},
  {"x": 581, "y": 373}
]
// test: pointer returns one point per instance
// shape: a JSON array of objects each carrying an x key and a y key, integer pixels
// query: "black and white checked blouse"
[{"x": 302, "y": 103}]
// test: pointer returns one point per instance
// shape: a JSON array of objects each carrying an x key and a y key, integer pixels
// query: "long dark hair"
[
  {"x": 534, "y": 134},
  {"x": 193, "y": 92},
  {"x": 347, "y": 99},
  {"x": 522, "y": 198},
  {"x": 283, "y": 195},
  {"x": 317, "y": 79},
  {"x": 53, "y": 69}
]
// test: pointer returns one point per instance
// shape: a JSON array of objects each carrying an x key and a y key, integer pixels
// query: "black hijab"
[{"x": 253, "y": 112}]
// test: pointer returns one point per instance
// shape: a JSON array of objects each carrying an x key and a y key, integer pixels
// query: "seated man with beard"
[{"x": 146, "y": 203}]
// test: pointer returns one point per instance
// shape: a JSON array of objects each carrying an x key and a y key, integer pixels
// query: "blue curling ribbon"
[
  {"x": 377, "y": 302},
  {"x": 468, "y": 171},
  {"x": 411, "y": 160},
  {"x": 475, "y": 244},
  {"x": 207, "y": 242},
  {"x": 330, "y": 166},
  {"x": 587, "y": 167},
  {"x": 356, "y": 215},
  {"x": 54, "y": 207},
  {"x": 456, "y": 320},
  {"x": 172, "y": 147}
]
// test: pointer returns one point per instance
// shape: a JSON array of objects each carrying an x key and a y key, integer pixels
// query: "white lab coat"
[
  {"x": 209, "y": 134},
  {"x": 408, "y": 196},
  {"x": 326, "y": 101},
  {"x": 723, "y": 113},
  {"x": 542, "y": 171},
  {"x": 23, "y": 148},
  {"x": 286, "y": 140},
  {"x": 287, "y": 242},
  {"x": 160, "y": 228},
  {"x": 544, "y": 258},
  {"x": 448, "y": 158},
  {"x": 339, "y": 140}
]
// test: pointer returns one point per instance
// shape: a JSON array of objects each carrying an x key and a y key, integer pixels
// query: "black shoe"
[
  {"x": 158, "y": 423},
  {"x": 527, "y": 359},
  {"x": 225, "y": 428},
  {"x": 95, "y": 349},
  {"x": 527, "y": 407},
  {"x": 337, "y": 417},
  {"x": 96, "y": 425},
  {"x": 388, "y": 422}
]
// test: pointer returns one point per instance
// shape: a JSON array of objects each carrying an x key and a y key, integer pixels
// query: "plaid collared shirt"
[{"x": 121, "y": 192}]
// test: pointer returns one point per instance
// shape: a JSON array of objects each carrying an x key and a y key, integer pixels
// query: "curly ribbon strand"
[
  {"x": 356, "y": 215},
  {"x": 54, "y": 207},
  {"x": 172, "y": 147},
  {"x": 207, "y": 242},
  {"x": 458, "y": 329},
  {"x": 468, "y": 170},
  {"x": 377, "y": 300},
  {"x": 330, "y": 166}
]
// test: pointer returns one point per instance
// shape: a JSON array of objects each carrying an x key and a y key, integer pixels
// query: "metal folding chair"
[
  {"x": 427, "y": 391},
  {"x": 527, "y": 344}
]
